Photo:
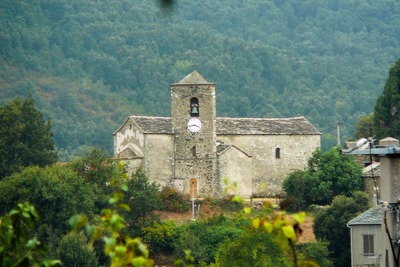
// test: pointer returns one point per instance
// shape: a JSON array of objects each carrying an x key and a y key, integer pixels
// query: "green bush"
[
  {"x": 226, "y": 204},
  {"x": 174, "y": 201},
  {"x": 252, "y": 248},
  {"x": 204, "y": 237},
  {"x": 161, "y": 237},
  {"x": 74, "y": 251},
  {"x": 316, "y": 251}
]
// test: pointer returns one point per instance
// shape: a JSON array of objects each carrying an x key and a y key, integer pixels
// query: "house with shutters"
[{"x": 366, "y": 238}]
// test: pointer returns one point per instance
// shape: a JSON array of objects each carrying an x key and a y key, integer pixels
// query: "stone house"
[
  {"x": 371, "y": 167},
  {"x": 194, "y": 150}
]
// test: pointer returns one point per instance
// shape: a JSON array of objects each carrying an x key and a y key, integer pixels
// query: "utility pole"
[
  {"x": 338, "y": 133},
  {"x": 193, "y": 204}
]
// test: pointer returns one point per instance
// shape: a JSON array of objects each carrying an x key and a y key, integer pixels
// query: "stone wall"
[
  {"x": 159, "y": 158},
  {"x": 235, "y": 167},
  {"x": 268, "y": 171}
]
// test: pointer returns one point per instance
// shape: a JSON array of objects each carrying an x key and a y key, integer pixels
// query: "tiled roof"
[
  {"x": 236, "y": 126},
  {"x": 153, "y": 124},
  {"x": 371, "y": 216},
  {"x": 261, "y": 126}
]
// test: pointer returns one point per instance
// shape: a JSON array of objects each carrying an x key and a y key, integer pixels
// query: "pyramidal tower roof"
[{"x": 193, "y": 78}]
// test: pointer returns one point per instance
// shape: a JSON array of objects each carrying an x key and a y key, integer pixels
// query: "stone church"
[{"x": 194, "y": 151}]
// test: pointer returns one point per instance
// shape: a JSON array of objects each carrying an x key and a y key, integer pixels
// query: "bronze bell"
[{"x": 195, "y": 109}]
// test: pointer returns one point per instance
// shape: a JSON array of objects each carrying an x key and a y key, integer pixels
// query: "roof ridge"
[
  {"x": 149, "y": 117},
  {"x": 251, "y": 118}
]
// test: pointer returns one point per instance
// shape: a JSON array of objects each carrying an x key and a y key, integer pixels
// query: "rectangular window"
[{"x": 368, "y": 241}]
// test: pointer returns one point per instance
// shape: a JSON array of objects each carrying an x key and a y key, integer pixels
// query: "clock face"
[{"x": 194, "y": 125}]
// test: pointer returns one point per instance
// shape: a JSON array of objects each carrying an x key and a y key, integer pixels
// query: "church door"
[{"x": 193, "y": 188}]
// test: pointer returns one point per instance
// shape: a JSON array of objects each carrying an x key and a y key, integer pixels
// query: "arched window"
[
  {"x": 194, "y": 107},
  {"x": 193, "y": 188},
  {"x": 277, "y": 153}
]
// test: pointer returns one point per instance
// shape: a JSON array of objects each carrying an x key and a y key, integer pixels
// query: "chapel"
[{"x": 200, "y": 154}]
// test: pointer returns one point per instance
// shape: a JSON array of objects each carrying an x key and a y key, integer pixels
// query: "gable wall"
[
  {"x": 235, "y": 167},
  {"x": 158, "y": 159},
  {"x": 267, "y": 171},
  {"x": 128, "y": 134}
]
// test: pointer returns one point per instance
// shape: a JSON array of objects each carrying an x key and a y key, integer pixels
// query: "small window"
[
  {"x": 194, "y": 152},
  {"x": 194, "y": 107},
  {"x": 277, "y": 153},
  {"x": 368, "y": 241}
]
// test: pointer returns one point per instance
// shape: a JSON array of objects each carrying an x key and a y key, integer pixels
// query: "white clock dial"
[{"x": 194, "y": 125}]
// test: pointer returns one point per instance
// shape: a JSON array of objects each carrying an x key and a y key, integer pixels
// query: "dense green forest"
[{"x": 90, "y": 64}]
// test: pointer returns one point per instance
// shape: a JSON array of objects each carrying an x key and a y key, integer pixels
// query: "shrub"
[
  {"x": 174, "y": 201},
  {"x": 227, "y": 204},
  {"x": 316, "y": 251},
  {"x": 204, "y": 237},
  {"x": 161, "y": 237},
  {"x": 74, "y": 251},
  {"x": 252, "y": 248}
]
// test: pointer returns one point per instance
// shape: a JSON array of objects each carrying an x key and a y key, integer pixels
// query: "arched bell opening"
[{"x": 194, "y": 107}]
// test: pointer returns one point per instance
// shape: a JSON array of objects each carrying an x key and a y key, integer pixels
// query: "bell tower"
[{"x": 193, "y": 124}]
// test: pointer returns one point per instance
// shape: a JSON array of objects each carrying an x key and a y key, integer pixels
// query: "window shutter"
[{"x": 368, "y": 244}]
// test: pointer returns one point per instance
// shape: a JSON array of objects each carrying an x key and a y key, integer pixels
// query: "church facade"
[{"x": 194, "y": 151}]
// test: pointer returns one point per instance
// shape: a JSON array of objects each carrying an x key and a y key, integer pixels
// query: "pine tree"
[{"x": 25, "y": 137}]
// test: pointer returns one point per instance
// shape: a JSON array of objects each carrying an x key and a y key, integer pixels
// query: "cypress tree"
[{"x": 387, "y": 106}]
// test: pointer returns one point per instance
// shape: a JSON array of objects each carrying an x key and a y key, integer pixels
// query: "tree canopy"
[
  {"x": 387, "y": 107},
  {"x": 328, "y": 175},
  {"x": 55, "y": 191},
  {"x": 25, "y": 137},
  {"x": 364, "y": 127},
  {"x": 90, "y": 64}
]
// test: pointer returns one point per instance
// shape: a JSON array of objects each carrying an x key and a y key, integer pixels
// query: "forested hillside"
[{"x": 90, "y": 64}]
